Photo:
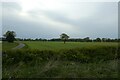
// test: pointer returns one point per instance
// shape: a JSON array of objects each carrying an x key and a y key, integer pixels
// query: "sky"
[{"x": 50, "y": 18}]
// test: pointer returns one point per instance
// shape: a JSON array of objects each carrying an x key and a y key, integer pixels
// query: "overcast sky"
[{"x": 50, "y": 18}]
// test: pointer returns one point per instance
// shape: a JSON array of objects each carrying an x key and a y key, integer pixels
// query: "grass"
[
  {"x": 0, "y": 45},
  {"x": 8, "y": 46},
  {"x": 87, "y": 62},
  {"x": 69, "y": 45},
  {"x": 63, "y": 69},
  {"x": 58, "y": 60}
]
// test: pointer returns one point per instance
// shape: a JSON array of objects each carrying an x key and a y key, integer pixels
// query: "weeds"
[{"x": 77, "y": 61}]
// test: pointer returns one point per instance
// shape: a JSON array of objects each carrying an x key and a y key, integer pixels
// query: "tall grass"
[{"x": 88, "y": 62}]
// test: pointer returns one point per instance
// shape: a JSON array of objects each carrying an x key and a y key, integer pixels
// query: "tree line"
[
  {"x": 72, "y": 39},
  {"x": 10, "y": 37}
]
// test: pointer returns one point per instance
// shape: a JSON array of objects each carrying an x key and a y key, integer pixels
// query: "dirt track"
[{"x": 21, "y": 45}]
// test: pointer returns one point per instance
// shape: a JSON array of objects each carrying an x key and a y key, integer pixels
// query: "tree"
[
  {"x": 87, "y": 39},
  {"x": 103, "y": 39},
  {"x": 64, "y": 37},
  {"x": 10, "y": 36},
  {"x": 98, "y": 40}
]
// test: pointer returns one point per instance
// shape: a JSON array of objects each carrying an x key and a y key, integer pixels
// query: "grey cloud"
[
  {"x": 103, "y": 23},
  {"x": 11, "y": 6}
]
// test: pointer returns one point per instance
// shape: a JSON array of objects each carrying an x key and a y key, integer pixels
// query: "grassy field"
[
  {"x": 8, "y": 46},
  {"x": 0, "y": 46},
  {"x": 63, "y": 69},
  {"x": 59, "y": 60},
  {"x": 69, "y": 45}
]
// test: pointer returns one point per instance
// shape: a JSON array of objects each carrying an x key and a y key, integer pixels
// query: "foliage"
[
  {"x": 86, "y": 39},
  {"x": 64, "y": 37},
  {"x": 82, "y": 55},
  {"x": 85, "y": 62},
  {"x": 10, "y": 36}
]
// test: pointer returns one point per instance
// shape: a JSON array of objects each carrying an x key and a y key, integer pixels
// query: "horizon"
[
  {"x": 60, "y": 38},
  {"x": 48, "y": 20}
]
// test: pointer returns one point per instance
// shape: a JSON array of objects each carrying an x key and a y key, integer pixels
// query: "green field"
[
  {"x": 0, "y": 46},
  {"x": 8, "y": 46},
  {"x": 69, "y": 45},
  {"x": 58, "y": 60}
]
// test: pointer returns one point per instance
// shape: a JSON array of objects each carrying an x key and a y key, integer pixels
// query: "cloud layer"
[{"x": 43, "y": 19}]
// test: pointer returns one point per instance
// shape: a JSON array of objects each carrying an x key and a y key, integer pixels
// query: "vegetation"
[
  {"x": 50, "y": 45},
  {"x": 92, "y": 60},
  {"x": 64, "y": 37},
  {"x": 8, "y": 46},
  {"x": 86, "y": 39},
  {"x": 0, "y": 46},
  {"x": 10, "y": 36}
]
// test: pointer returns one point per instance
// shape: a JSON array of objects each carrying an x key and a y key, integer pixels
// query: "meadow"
[
  {"x": 41, "y": 45},
  {"x": 8, "y": 46},
  {"x": 59, "y": 60},
  {"x": 0, "y": 46}
]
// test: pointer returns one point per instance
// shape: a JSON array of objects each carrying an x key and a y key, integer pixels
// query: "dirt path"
[{"x": 21, "y": 45}]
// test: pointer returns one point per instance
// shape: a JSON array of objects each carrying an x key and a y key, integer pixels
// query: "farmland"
[
  {"x": 69, "y": 45},
  {"x": 45, "y": 39},
  {"x": 59, "y": 60}
]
